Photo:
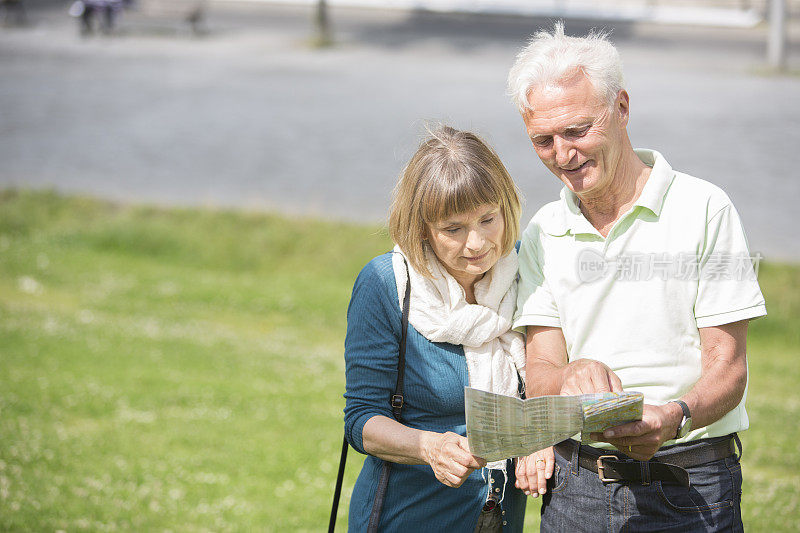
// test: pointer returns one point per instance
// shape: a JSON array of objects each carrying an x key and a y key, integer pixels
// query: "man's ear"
[{"x": 622, "y": 107}]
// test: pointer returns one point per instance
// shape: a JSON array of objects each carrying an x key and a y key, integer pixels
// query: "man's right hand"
[{"x": 586, "y": 376}]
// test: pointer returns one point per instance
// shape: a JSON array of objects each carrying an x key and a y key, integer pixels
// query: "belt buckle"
[{"x": 601, "y": 473}]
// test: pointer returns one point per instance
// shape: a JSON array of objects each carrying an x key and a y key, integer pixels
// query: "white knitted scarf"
[{"x": 440, "y": 312}]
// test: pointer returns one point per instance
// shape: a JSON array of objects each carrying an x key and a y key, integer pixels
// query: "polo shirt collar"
[
  {"x": 569, "y": 219},
  {"x": 661, "y": 175}
]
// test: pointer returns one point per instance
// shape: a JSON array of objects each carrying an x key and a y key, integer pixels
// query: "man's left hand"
[{"x": 642, "y": 439}]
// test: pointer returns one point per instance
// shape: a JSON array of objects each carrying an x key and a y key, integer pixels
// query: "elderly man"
[{"x": 637, "y": 279}]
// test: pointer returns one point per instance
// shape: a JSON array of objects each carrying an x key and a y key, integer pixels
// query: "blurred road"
[{"x": 249, "y": 116}]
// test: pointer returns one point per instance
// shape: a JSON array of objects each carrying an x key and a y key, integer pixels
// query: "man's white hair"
[{"x": 549, "y": 59}]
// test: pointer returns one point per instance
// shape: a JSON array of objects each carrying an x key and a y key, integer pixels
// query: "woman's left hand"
[{"x": 534, "y": 470}]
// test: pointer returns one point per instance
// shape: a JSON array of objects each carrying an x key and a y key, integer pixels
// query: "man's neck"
[{"x": 604, "y": 207}]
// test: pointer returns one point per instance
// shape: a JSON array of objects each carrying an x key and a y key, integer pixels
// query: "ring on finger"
[{"x": 539, "y": 461}]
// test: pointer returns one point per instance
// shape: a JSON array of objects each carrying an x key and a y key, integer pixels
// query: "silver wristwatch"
[{"x": 686, "y": 422}]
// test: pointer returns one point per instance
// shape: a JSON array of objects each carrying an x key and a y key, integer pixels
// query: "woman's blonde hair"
[{"x": 452, "y": 172}]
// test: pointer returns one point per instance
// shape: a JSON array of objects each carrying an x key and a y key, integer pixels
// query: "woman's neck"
[{"x": 467, "y": 282}]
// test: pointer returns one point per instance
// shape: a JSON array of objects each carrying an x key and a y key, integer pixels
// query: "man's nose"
[{"x": 564, "y": 151}]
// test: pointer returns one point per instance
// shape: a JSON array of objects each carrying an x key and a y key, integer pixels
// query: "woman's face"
[{"x": 470, "y": 243}]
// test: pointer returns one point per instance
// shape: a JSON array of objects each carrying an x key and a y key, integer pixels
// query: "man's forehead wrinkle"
[
  {"x": 563, "y": 116},
  {"x": 562, "y": 110},
  {"x": 544, "y": 126}
]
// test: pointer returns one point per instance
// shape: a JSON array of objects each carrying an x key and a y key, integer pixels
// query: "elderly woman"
[{"x": 454, "y": 219}]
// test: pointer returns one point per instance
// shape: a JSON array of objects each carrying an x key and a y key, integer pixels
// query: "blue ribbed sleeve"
[{"x": 371, "y": 348}]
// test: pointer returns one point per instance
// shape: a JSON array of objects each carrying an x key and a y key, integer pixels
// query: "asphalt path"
[{"x": 250, "y": 116}]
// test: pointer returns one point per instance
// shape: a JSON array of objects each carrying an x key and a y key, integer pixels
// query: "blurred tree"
[
  {"x": 322, "y": 25},
  {"x": 776, "y": 44}
]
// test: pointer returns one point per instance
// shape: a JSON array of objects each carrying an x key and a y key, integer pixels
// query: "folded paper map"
[{"x": 500, "y": 427}]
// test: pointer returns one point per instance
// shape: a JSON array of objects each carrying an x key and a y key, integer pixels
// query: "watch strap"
[
  {"x": 687, "y": 415},
  {"x": 684, "y": 408}
]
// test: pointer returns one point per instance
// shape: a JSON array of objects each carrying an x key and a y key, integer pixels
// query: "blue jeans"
[{"x": 577, "y": 500}]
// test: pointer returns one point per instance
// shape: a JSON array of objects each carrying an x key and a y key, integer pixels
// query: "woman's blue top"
[{"x": 435, "y": 377}]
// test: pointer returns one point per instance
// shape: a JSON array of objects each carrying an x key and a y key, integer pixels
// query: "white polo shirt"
[{"x": 676, "y": 262}]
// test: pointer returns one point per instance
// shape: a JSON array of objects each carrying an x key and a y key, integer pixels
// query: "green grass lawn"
[{"x": 175, "y": 369}]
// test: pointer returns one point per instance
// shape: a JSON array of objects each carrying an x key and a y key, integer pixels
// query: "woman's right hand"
[{"x": 449, "y": 456}]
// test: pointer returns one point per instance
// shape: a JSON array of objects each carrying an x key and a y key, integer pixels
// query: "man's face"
[{"x": 576, "y": 134}]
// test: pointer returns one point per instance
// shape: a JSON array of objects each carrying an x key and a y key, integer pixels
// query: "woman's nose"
[{"x": 475, "y": 240}]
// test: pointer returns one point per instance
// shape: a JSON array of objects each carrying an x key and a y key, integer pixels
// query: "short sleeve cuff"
[
  {"x": 731, "y": 316},
  {"x": 355, "y": 436},
  {"x": 522, "y": 321}
]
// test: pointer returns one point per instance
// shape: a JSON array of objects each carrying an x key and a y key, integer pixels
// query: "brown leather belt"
[{"x": 668, "y": 466}]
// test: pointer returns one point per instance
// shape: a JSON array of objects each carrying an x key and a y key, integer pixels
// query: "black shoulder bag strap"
[{"x": 397, "y": 406}]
